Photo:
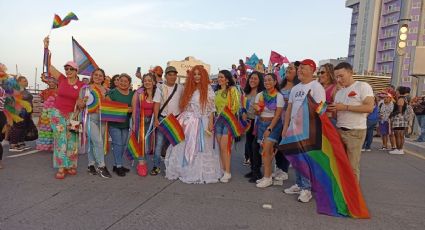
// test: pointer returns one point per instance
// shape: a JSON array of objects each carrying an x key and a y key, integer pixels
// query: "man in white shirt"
[
  {"x": 162, "y": 93},
  {"x": 352, "y": 103},
  {"x": 296, "y": 99}
]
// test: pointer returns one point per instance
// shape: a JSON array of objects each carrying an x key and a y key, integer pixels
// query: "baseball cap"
[
  {"x": 170, "y": 69},
  {"x": 72, "y": 64},
  {"x": 309, "y": 62}
]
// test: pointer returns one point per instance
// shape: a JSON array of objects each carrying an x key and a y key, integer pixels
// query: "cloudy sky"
[{"x": 121, "y": 35}]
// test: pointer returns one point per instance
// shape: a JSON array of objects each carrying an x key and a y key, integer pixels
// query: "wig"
[{"x": 191, "y": 86}]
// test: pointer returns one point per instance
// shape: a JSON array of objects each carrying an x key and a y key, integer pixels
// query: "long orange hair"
[{"x": 190, "y": 87}]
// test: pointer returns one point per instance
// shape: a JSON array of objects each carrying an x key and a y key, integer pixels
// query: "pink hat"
[
  {"x": 72, "y": 64},
  {"x": 309, "y": 62}
]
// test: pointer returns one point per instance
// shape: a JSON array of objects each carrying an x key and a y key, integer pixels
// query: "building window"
[
  {"x": 415, "y": 18},
  {"x": 413, "y": 30},
  {"x": 416, "y": 5},
  {"x": 411, "y": 43}
]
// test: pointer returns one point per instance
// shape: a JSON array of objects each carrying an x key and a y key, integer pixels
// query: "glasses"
[
  {"x": 321, "y": 72},
  {"x": 69, "y": 69}
]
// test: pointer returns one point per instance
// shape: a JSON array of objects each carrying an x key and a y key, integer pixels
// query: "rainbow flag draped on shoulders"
[
  {"x": 172, "y": 129},
  {"x": 314, "y": 148}
]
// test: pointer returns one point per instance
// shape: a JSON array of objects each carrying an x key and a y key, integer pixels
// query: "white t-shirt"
[
  {"x": 299, "y": 92},
  {"x": 161, "y": 95},
  {"x": 348, "y": 119},
  {"x": 267, "y": 112}
]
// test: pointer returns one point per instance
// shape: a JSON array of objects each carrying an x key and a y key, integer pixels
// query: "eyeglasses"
[
  {"x": 69, "y": 69},
  {"x": 321, "y": 72}
]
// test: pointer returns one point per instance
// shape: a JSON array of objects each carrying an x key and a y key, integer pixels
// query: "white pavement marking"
[
  {"x": 414, "y": 154},
  {"x": 24, "y": 154},
  {"x": 415, "y": 143}
]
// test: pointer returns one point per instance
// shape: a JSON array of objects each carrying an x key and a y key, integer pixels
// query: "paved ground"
[{"x": 30, "y": 198}]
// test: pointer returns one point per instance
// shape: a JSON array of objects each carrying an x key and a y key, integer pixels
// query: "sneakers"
[
  {"x": 16, "y": 149},
  {"x": 23, "y": 146},
  {"x": 119, "y": 171},
  {"x": 280, "y": 175},
  {"x": 226, "y": 177},
  {"x": 155, "y": 171},
  {"x": 246, "y": 162},
  {"x": 305, "y": 196},
  {"x": 265, "y": 182},
  {"x": 91, "y": 170},
  {"x": 103, "y": 172},
  {"x": 396, "y": 152},
  {"x": 294, "y": 189},
  {"x": 142, "y": 169},
  {"x": 368, "y": 150},
  {"x": 363, "y": 150},
  {"x": 383, "y": 149}
]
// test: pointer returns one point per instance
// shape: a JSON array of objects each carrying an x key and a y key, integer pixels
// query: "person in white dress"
[{"x": 194, "y": 160}]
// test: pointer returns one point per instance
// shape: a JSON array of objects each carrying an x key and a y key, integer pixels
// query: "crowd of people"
[{"x": 204, "y": 156}]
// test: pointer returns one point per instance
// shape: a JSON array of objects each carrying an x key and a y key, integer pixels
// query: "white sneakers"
[
  {"x": 294, "y": 189},
  {"x": 226, "y": 177},
  {"x": 264, "y": 182},
  {"x": 280, "y": 175},
  {"x": 305, "y": 196},
  {"x": 396, "y": 152}
]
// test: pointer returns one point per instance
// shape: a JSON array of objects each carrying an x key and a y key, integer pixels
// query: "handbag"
[
  {"x": 75, "y": 125},
  {"x": 31, "y": 132}
]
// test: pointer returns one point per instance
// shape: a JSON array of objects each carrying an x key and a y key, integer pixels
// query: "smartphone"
[{"x": 138, "y": 70}]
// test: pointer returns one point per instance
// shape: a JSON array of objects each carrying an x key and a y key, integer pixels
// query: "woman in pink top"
[
  {"x": 65, "y": 148},
  {"x": 328, "y": 81},
  {"x": 143, "y": 102}
]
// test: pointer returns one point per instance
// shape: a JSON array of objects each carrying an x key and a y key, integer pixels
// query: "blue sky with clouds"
[{"x": 121, "y": 35}]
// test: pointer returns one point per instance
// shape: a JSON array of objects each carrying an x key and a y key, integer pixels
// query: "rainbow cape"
[
  {"x": 113, "y": 111},
  {"x": 232, "y": 123},
  {"x": 86, "y": 64},
  {"x": 314, "y": 148},
  {"x": 58, "y": 22},
  {"x": 172, "y": 129}
]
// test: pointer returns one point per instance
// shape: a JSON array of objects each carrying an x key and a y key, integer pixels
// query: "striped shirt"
[{"x": 2, "y": 98}]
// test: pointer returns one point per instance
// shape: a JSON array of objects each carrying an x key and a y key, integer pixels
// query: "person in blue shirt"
[{"x": 372, "y": 121}]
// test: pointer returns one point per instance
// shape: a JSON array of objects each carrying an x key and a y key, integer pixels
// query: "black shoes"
[
  {"x": 103, "y": 172},
  {"x": 249, "y": 175},
  {"x": 120, "y": 171},
  {"x": 92, "y": 170},
  {"x": 255, "y": 177},
  {"x": 155, "y": 171}
]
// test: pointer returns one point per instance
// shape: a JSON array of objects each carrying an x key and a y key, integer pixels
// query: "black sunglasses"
[
  {"x": 69, "y": 68},
  {"x": 321, "y": 72}
]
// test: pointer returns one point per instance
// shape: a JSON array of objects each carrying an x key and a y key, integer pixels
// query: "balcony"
[
  {"x": 385, "y": 48},
  {"x": 386, "y": 24},
  {"x": 386, "y": 36},
  {"x": 385, "y": 60},
  {"x": 390, "y": 11}
]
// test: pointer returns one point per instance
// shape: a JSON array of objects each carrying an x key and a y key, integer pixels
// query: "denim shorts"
[
  {"x": 274, "y": 135},
  {"x": 220, "y": 128}
]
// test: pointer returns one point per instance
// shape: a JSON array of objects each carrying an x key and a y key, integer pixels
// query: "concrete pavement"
[{"x": 30, "y": 198}]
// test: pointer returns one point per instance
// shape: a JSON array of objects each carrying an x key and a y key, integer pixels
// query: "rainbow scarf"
[
  {"x": 113, "y": 111},
  {"x": 58, "y": 22},
  {"x": 231, "y": 122},
  {"x": 268, "y": 100},
  {"x": 94, "y": 98},
  {"x": 172, "y": 129},
  {"x": 319, "y": 155}
]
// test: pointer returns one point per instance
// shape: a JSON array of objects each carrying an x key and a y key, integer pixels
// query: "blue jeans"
[
  {"x": 302, "y": 182},
  {"x": 421, "y": 121},
  {"x": 119, "y": 143},
  {"x": 96, "y": 152},
  {"x": 371, "y": 125},
  {"x": 160, "y": 141}
]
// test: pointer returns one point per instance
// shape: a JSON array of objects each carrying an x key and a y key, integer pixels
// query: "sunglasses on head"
[
  {"x": 321, "y": 72},
  {"x": 69, "y": 69}
]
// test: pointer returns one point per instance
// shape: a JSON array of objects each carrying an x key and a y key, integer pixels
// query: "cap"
[
  {"x": 72, "y": 64},
  {"x": 309, "y": 62},
  {"x": 158, "y": 70},
  {"x": 170, "y": 69}
]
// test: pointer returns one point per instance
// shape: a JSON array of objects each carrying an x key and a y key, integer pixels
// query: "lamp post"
[{"x": 401, "y": 46}]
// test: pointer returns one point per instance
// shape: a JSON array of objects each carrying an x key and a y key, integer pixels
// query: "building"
[
  {"x": 184, "y": 65},
  {"x": 334, "y": 62},
  {"x": 378, "y": 20}
]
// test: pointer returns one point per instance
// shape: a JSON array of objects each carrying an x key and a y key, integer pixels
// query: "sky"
[{"x": 122, "y": 35}]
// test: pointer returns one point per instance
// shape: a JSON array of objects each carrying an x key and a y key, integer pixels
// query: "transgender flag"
[
  {"x": 86, "y": 64},
  {"x": 314, "y": 148}
]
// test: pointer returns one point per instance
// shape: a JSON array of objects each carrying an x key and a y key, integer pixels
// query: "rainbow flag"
[
  {"x": 58, "y": 22},
  {"x": 133, "y": 148},
  {"x": 113, "y": 111},
  {"x": 86, "y": 64},
  {"x": 320, "y": 156},
  {"x": 172, "y": 129},
  {"x": 94, "y": 98},
  {"x": 231, "y": 122}
]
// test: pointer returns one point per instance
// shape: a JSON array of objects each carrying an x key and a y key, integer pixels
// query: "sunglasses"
[
  {"x": 69, "y": 69},
  {"x": 321, "y": 72}
]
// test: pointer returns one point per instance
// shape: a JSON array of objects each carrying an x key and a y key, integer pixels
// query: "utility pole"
[{"x": 403, "y": 25}]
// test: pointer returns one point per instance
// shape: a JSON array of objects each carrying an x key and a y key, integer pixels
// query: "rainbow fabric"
[
  {"x": 58, "y": 22},
  {"x": 86, "y": 64},
  {"x": 231, "y": 122},
  {"x": 96, "y": 96},
  {"x": 268, "y": 100},
  {"x": 113, "y": 111},
  {"x": 133, "y": 147},
  {"x": 172, "y": 129},
  {"x": 320, "y": 157}
]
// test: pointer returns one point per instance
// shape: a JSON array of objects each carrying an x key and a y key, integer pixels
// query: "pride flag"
[
  {"x": 232, "y": 123},
  {"x": 58, "y": 22},
  {"x": 252, "y": 61},
  {"x": 133, "y": 147},
  {"x": 86, "y": 64},
  {"x": 275, "y": 57},
  {"x": 113, "y": 111},
  {"x": 314, "y": 148},
  {"x": 172, "y": 129}
]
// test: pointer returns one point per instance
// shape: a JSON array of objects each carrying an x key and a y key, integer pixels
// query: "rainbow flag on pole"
[
  {"x": 172, "y": 129},
  {"x": 58, "y": 22},
  {"x": 232, "y": 123},
  {"x": 133, "y": 148},
  {"x": 314, "y": 148},
  {"x": 113, "y": 111}
]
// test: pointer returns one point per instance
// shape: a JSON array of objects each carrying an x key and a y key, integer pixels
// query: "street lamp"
[{"x": 402, "y": 39}]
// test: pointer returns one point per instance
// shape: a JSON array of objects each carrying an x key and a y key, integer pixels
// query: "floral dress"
[{"x": 45, "y": 132}]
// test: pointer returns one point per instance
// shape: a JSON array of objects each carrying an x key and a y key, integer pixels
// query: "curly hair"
[{"x": 191, "y": 86}]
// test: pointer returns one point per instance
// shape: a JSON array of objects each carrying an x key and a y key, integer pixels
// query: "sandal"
[
  {"x": 60, "y": 175},
  {"x": 71, "y": 171}
]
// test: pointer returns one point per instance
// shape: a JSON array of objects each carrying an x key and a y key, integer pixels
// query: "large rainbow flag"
[
  {"x": 172, "y": 129},
  {"x": 113, "y": 111},
  {"x": 314, "y": 148},
  {"x": 86, "y": 64},
  {"x": 232, "y": 123}
]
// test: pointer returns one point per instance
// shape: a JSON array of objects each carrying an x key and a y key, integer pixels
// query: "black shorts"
[{"x": 399, "y": 128}]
